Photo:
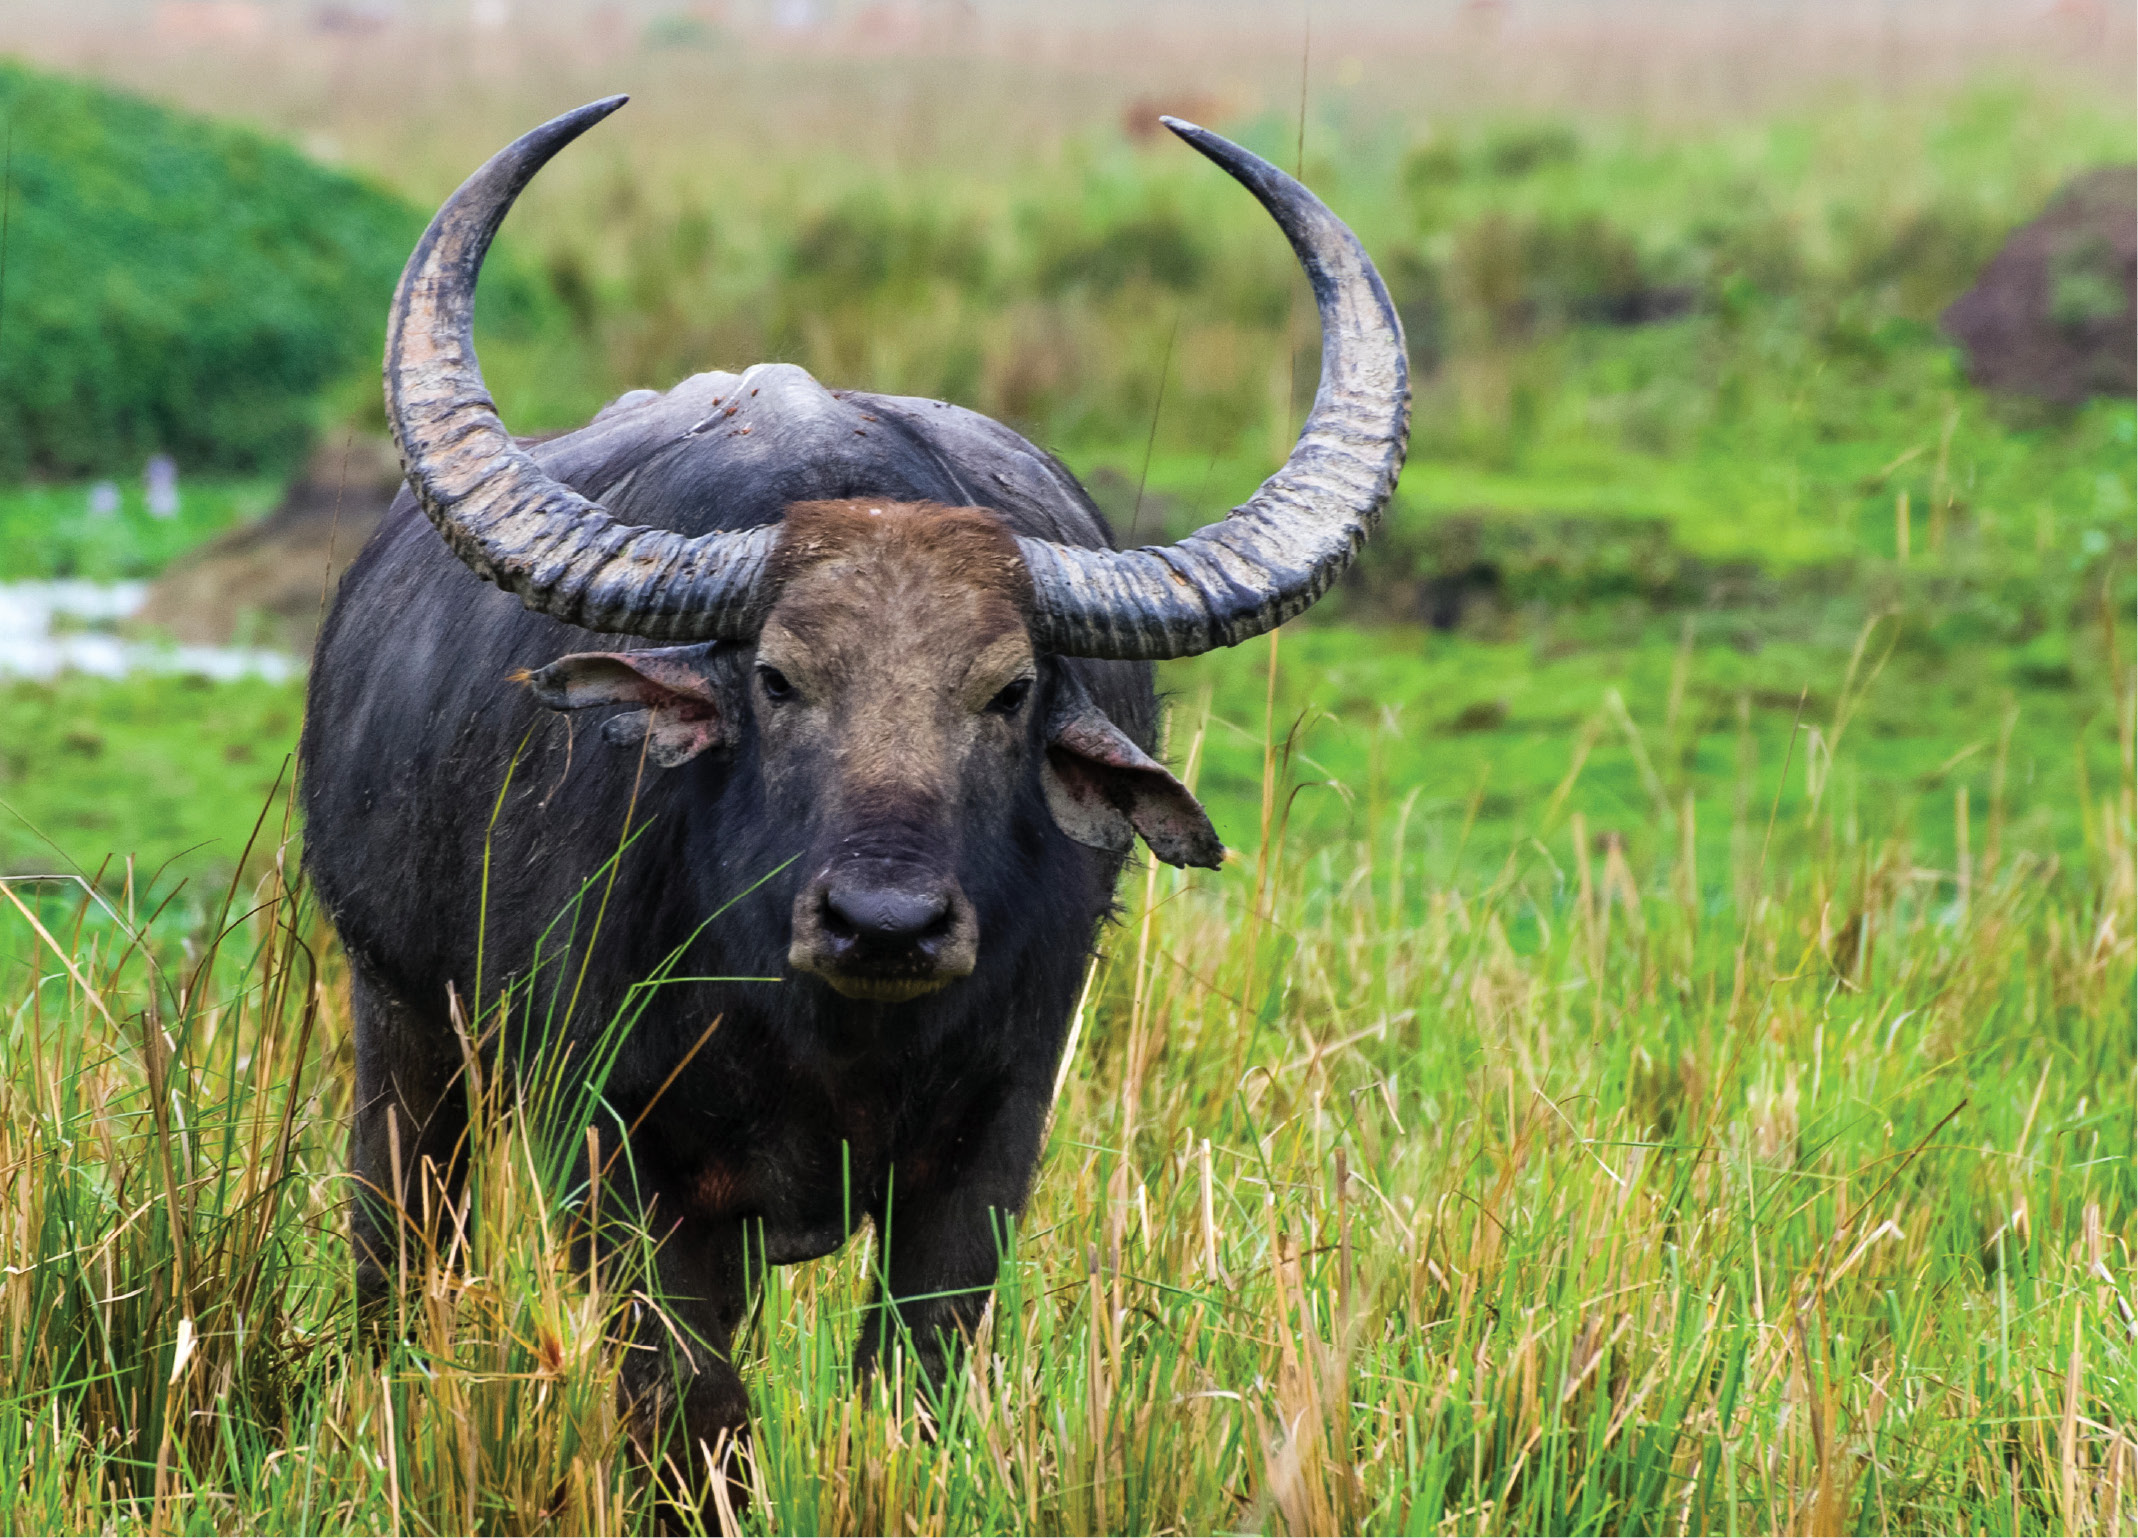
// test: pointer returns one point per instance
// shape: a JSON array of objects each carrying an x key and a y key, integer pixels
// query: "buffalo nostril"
[{"x": 886, "y": 913}]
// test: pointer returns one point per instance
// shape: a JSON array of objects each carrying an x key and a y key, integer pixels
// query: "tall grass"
[
  {"x": 1608, "y": 1193},
  {"x": 178, "y": 1328},
  {"x": 1741, "y": 1159}
]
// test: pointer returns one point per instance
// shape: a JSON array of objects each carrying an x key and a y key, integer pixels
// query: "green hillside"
[{"x": 173, "y": 284}]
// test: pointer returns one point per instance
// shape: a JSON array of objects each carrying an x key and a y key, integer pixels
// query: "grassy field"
[
  {"x": 1619, "y": 1191},
  {"x": 47, "y": 530},
  {"x": 1662, "y": 1056},
  {"x": 1783, "y": 449}
]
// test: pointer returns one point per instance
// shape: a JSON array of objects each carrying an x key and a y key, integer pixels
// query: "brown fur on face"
[
  {"x": 896, "y": 629},
  {"x": 894, "y": 690},
  {"x": 904, "y": 620},
  {"x": 956, "y": 545}
]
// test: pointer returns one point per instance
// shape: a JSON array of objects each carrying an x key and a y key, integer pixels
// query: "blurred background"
[{"x": 1727, "y": 401}]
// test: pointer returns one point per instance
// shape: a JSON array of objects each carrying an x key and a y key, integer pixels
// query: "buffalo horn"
[
  {"x": 565, "y": 557},
  {"x": 1279, "y": 551},
  {"x": 499, "y": 510}
]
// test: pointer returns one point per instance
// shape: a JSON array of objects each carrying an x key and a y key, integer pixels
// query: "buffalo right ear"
[{"x": 676, "y": 684}]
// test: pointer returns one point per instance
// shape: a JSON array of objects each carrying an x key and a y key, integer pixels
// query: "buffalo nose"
[
  {"x": 884, "y": 931},
  {"x": 887, "y": 913}
]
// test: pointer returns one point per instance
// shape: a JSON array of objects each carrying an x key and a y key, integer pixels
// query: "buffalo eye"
[
  {"x": 774, "y": 682},
  {"x": 1010, "y": 698}
]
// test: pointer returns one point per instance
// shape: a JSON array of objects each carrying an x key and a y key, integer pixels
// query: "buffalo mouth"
[{"x": 883, "y": 935}]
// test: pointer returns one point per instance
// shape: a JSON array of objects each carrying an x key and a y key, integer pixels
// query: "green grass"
[
  {"x": 1661, "y": 1059},
  {"x": 1620, "y": 1189},
  {"x": 1462, "y": 737},
  {"x": 47, "y": 530},
  {"x": 1465, "y": 739},
  {"x": 169, "y": 770}
]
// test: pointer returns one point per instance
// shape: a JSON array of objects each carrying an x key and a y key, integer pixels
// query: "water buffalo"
[{"x": 894, "y": 728}]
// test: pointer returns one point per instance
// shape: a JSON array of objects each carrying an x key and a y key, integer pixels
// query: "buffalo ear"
[
  {"x": 682, "y": 716},
  {"x": 1103, "y": 789}
]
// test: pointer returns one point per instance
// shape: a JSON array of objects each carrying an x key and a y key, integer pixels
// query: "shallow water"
[{"x": 31, "y": 646}]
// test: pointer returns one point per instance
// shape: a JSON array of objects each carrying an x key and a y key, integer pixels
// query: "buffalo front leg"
[
  {"x": 685, "y": 1404},
  {"x": 407, "y": 1143},
  {"x": 945, "y": 1225}
]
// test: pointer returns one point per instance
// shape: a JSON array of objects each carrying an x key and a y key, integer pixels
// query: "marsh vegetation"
[{"x": 1661, "y": 1058}]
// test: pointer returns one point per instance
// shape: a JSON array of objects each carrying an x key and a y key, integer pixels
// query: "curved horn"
[
  {"x": 499, "y": 510},
  {"x": 1279, "y": 551}
]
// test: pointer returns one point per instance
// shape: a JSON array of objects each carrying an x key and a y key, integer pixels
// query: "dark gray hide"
[{"x": 800, "y": 1095}]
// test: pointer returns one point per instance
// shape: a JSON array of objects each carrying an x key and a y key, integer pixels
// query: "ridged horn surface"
[
  {"x": 500, "y": 511},
  {"x": 1281, "y": 549}
]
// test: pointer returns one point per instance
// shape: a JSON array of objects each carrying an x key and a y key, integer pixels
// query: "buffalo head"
[
  {"x": 898, "y": 706},
  {"x": 893, "y": 662}
]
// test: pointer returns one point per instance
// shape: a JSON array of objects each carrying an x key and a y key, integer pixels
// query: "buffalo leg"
[
  {"x": 685, "y": 1402},
  {"x": 943, "y": 1241},
  {"x": 411, "y": 1117}
]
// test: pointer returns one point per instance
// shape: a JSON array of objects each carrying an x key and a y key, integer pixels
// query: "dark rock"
[
  {"x": 1483, "y": 716},
  {"x": 1447, "y": 594},
  {"x": 2053, "y": 313}
]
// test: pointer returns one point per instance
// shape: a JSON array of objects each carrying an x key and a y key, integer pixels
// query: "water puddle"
[{"x": 48, "y": 628}]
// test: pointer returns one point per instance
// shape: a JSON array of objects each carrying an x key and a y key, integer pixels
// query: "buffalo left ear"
[
  {"x": 1103, "y": 789},
  {"x": 682, "y": 717}
]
